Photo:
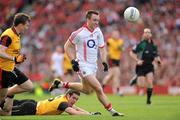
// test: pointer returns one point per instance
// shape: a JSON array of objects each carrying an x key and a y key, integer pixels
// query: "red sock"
[
  {"x": 66, "y": 85},
  {"x": 108, "y": 107}
]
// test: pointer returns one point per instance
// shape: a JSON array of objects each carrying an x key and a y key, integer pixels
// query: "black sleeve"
[
  {"x": 5, "y": 41},
  {"x": 134, "y": 49},
  {"x": 62, "y": 106},
  {"x": 156, "y": 53}
]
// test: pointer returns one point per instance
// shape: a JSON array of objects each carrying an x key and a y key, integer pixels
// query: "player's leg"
[
  {"x": 6, "y": 106},
  {"x": 24, "y": 87},
  {"x": 4, "y": 84},
  {"x": 108, "y": 77},
  {"x": 133, "y": 80},
  {"x": 149, "y": 79},
  {"x": 25, "y": 108},
  {"x": 19, "y": 102},
  {"x": 14, "y": 90},
  {"x": 140, "y": 79},
  {"x": 116, "y": 80},
  {"x": 23, "y": 84},
  {"x": 3, "y": 93},
  {"x": 5, "y": 101},
  {"x": 69, "y": 76},
  {"x": 94, "y": 83},
  {"x": 141, "y": 84},
  {"x": 82, "y": 87}
]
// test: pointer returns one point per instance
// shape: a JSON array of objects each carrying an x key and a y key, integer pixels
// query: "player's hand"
[
  {"x": 95, "y": 113},
  {"x": 105, "y": 66},
  {"x": 75, "y": 65},
  {"x": 20, "y": 58},
  {"x": 140, "y": 62}
]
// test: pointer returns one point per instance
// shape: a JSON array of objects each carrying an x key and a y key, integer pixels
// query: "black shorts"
[
  {"x": 144, "y": 69},
  {"x": 113, "y": 62},
  {"x": 24, "y": 107},
  {"x": 69, "y": 71},
  {"x": 8, "y": 78}
]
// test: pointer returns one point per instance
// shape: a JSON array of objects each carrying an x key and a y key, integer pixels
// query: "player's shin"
[{"x": 149, "y": 94}]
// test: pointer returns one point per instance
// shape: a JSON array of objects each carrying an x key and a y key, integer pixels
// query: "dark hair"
[
  {"x": 90, "y": 12},
  {"x": 71, "y": 92},
  {"x": 21, "y": 18}
]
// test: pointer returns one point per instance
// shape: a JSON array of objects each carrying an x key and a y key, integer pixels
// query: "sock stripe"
[
  {"x": 108, "y": 107},
  {"x": 66, "y": 85}
]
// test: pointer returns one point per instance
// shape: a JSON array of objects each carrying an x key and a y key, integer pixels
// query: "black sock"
[{"x": 149, "y": 93}]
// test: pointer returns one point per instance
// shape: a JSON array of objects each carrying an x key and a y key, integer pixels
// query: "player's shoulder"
[
  {"x": 76, "y": 33},
  {"x": 120, "y": 41},
  {"x": 98, "y": 29},
  {"x": 78, "y": 30},
  {"x": 110, "y": 40},
  {"x": 141, "y": 42},
  {"x": 7, "y": 31}
]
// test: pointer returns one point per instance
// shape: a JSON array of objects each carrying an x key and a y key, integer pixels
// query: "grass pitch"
[{"x": 134, "y": 108}]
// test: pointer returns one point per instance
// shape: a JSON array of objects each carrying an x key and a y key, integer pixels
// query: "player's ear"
[{"x": 68, "y": 96}]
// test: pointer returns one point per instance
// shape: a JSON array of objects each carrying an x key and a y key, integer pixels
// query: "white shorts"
[
  {"x": 87, "y": 69},
  {"x": 58, "y": 73}
]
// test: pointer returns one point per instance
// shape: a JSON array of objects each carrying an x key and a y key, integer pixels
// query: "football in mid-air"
[{"x": 131, "y": 14}]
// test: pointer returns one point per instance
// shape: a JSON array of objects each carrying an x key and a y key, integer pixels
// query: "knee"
[
  {"x": 141, "y": 84},
  {"x": 149, "y": 82},
  {"x": 30, "y": 87}
]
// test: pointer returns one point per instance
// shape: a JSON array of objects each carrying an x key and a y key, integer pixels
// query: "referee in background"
[{"x": 145, "y": 53}]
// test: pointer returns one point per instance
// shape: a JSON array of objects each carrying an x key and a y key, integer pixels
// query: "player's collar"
[
  {"x": 147, "y": 41},
  {"x": 14, "y": 30},
  {"x": 90, "y": 30}
]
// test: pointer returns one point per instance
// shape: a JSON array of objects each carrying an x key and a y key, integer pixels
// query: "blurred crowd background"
[{"x": 54, "y": 20}]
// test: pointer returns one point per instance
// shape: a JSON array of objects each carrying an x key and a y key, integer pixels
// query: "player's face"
[
  {"x": 73, "y": 99},
  {"x": 147, "y": 34},
  {"x": 24, "y": 27},
  {"x": 59, "y": 49},
  {"x": 93, "y": 21},
  {"x": 115, "y": 35}
]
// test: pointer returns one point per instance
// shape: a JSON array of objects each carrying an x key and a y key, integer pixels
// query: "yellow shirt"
[
  {"x": 67, "y": 63},
  {"x": 50, "y": 106},
  {"x": 13, "y": 49},
  {"x": 115, "y": 48}
]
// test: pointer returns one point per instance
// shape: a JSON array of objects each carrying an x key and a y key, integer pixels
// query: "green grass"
[{"x": 134, "y": 107}]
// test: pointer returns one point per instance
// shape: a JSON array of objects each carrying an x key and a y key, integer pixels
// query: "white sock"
[{"x": 112, "y": 111}]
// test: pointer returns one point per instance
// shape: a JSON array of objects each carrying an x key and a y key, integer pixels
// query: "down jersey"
[{"x": 87, "y": 43}]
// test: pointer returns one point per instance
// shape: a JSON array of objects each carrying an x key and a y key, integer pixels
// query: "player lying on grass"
[{"x": 51, "y": 106}]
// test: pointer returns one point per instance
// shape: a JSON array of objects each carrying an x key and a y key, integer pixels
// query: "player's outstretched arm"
[
  {"x": 73, "y": 111},
  {"x": 80, "y": 109}
]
